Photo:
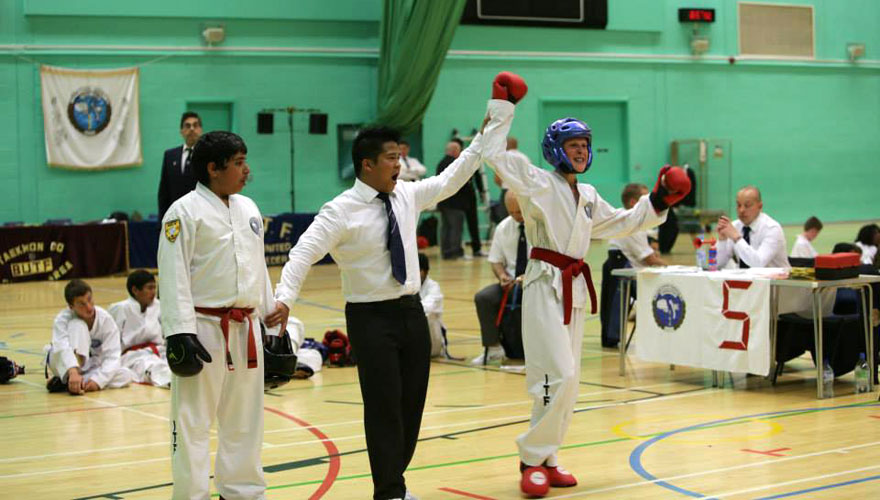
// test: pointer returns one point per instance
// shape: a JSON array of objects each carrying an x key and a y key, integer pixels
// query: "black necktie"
[
  {"x": 522, "y": 257},
  {"x": 188, "y": 161},
  {"x": 747, "y": 232},
  {"x": 395, "y": 243}
]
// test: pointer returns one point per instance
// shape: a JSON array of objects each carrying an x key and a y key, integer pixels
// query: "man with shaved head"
[
  {"x": 753, "y": 240},
  {"x": 508, "y": 257}
]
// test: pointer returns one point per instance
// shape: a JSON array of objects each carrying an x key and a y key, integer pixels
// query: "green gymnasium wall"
[{"x": 807, "y": 133}]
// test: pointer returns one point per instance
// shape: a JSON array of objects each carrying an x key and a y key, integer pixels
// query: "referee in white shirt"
[
  {"x": 370, "y": 231},
  {"x": 755, "y": 239}
]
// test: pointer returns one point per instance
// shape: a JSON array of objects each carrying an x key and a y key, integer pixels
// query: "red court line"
[
  {"x": 465, "y": 494},
  {"x": 332, "y": 452},
  {"x": 772, "y": 453}
]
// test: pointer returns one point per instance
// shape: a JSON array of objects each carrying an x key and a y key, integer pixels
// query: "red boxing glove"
[
  {"x": 509, "y": 86},
  {"x": 672, "y": 185}
]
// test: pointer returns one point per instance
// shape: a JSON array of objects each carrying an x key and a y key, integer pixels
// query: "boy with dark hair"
[
  {"x": 84, "y": 353},
  {"x": 803, "y": 245},
  {"x": 214, "y": 283},
  {"x": 370, "y": 231},
  {"x": 143, "y": 348}
]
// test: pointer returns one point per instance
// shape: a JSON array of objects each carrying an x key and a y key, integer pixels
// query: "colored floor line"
[
  {"x": 275, "y": 468},
  {"x": 635, "y": 458},
  {"x": 820, "y": 488},
  {"x": 465, "y": 494},
  {"x": 332, "y": 453}
]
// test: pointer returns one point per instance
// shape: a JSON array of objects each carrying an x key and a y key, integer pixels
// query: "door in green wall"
[
  {"x": 607, "y": 119},
  {"x": 215, "y": 115}
]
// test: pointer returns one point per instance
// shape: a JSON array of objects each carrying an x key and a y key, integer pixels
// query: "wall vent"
[{"x": 776, "y": 30}]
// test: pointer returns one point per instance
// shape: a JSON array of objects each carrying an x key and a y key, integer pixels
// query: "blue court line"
[
  {"x": 635, "y": 458},
  {"x": 819, "y": 488}
]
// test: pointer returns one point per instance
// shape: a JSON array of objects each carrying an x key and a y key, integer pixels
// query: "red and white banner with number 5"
[{"x": 704, "y": 321}]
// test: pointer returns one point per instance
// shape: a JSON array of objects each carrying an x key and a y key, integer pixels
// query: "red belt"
[
  {"x": 571, "y": 269},
  {"x": 503, "y": 305},
  {"x": 146, "y": 345},
  {"x": 239, "y": 315}
]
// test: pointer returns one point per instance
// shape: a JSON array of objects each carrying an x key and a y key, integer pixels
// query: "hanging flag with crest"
[{"x": 91, "y": 117}]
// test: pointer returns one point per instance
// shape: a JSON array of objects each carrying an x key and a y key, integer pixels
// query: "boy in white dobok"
[
  {"x": 84, "y": 353},
  {"x": 561, "y": 216},
  {"x": 143, "y": 347},
  {"x": 214, "y": 285}
]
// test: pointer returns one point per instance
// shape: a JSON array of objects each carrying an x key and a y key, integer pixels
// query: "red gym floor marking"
[
  {"x": 465, "y": 494},
  {"x": 874, "y": 416},
  {"x": 772, "y": 453},
  {"x": 332, "y": 452}
]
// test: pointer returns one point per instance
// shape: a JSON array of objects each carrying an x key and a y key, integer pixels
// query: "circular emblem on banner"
[
  {"x": 669, "y": 308},
  {"x": 255, "y": 225},
  {"x": 89, "y": 110}
]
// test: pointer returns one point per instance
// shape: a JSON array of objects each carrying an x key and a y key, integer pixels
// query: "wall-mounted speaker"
[
  {"x": 265, "y": 123},
  {"x": 318, "y": 123}
]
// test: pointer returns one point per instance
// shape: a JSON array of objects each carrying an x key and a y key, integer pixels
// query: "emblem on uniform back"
[
  {"x": 668, "y": 308},
  {"x": 172, "y": 230},
  {"x": 255, "y": 225}
]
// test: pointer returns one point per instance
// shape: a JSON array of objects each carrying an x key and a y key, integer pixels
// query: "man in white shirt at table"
[
  {"x": 753, "y": 240},
  {"x": 370, "y": 231},
  {"x": 756, "y": 240}
]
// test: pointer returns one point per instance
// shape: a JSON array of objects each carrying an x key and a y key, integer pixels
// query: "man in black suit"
[
  {"x": 458, "y": 208},
  {"x": 177, "y": 177}
]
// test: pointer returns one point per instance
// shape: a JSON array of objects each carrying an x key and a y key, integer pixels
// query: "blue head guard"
[{"x": 560, "y": 131}]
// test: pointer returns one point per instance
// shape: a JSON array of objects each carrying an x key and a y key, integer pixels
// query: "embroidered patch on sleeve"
[{"x": 172, "y": 230}]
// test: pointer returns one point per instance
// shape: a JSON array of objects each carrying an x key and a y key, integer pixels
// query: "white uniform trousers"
[
  {"x": 147, "y": 367},
  {"x": 553, "y": 367},
  {"x": 235, "y": 398}
]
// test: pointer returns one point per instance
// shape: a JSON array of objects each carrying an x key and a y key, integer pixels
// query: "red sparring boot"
[
  {"x": 560, "y": 478},
  {"x": 534, "y": 483}
]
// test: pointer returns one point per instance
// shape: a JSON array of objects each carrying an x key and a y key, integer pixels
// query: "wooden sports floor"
[{"x": 654, "y": 433}]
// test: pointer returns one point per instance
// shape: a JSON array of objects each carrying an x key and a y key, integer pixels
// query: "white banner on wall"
[
  {"x": 91, "y": 117},
  {"x": 714, "y": 323}
]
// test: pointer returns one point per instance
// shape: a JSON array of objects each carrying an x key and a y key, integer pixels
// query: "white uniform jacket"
[
  {"x": 552, "y": 219},
  {"x": 98, "y": 347},
  {"x": 211, "y": 255},
  {"x": 432, "y": 297},
  {"x": 136, "y": 327}
]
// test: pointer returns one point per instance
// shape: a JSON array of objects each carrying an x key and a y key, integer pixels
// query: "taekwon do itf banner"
[
  {"x": 31, "y": 253},
  {"x": 91, "y": 117},
  {"x": 701, "y": 321}
]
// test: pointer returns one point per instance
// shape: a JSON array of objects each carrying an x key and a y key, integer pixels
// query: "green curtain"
[{"x": 415, "y": 37}]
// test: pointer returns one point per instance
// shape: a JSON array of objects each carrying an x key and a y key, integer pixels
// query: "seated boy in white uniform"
[
  {"x": 803, "y": 245},
  {"x": 432, "y": 303},
  {"x": 633, "y": 251},
  {"x": 143, "y": 348},
  {"x": 84, "y": 353}
]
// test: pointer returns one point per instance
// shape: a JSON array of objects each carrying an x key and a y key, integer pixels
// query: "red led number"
[{"x": 743, "y": 344}]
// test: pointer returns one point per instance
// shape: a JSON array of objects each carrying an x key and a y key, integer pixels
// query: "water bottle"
[
  {"x": 702, "y": 259},
  {"x": 827, "y": 380},
  {"x": 862, "y": 375},
  {"x": 713, "y": 258}
]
